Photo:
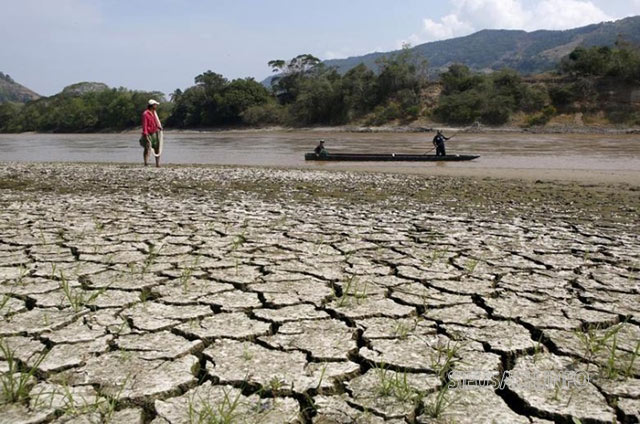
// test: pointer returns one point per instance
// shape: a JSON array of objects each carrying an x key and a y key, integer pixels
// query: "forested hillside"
[{"x": 525, "y": 52}]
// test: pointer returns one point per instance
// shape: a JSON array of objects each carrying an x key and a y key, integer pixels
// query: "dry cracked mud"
[{"x": 252, "y": 295}]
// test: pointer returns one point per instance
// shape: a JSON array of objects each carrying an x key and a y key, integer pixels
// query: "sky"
[{"x": 163, "y": 44}]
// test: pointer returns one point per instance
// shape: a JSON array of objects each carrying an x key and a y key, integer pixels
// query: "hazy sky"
[{"x": 163, "y": 44}]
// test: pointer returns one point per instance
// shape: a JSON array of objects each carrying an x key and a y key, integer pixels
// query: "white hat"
[{"x": 153, "y": 102}]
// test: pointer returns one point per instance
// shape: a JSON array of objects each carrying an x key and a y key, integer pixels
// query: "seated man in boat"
[
  {"x": 320, "y": 150},
  {"x": 438, "y": 142}
]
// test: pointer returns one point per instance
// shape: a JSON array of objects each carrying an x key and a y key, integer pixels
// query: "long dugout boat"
[{"x": 386, "y": 157}]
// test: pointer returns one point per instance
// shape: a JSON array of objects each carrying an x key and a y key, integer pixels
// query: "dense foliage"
[
  {"x": 215, "y": 101},
  {"x": 310, "y": 93},
  {"x": 469, "y": 97},
  {"x": 600, "y": 79},
  {"x": 622, "y": 62},
  {"x": 587, "y": 79},
  {"x": 110, "y": 109}
]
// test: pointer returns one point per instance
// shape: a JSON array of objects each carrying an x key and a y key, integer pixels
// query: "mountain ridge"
[
  {"x": 491, "y": 49},
  {"x": 11, "y": 91}
]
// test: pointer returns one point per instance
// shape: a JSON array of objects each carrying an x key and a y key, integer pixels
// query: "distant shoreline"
[
  {"x": 392, "y": 129},
  {"x": 399, "y": 129}
]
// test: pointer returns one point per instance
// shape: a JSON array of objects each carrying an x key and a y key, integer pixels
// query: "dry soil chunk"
[
  {"x": 129, "y": 376},
  {"x": 234, "y": 325},
  {"x": 389, "y": 393},
  {"x": 207, "y": 402},
  {"x": 324, "y": 339},
  {"x": 581, "y": 400},
  {"x": 470, "y": 406}
]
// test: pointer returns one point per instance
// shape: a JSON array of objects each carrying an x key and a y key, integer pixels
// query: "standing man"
[
  {"x": 151, "y": 128},
  {"x": 438, "y": 141}
]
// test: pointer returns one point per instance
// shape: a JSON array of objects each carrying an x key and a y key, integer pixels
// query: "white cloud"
[
  {"x": 448, "y": 27},
  {"x": 468, "y": 16},
  {"x": 563, "y": 14},
  {"x": 492, "y": 13},
  {"x": 330, "y": 54},
  {"x": 343, "y": 52}
]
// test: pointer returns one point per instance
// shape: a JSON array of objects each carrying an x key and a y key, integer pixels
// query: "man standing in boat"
[{"x": 438, "y": 142}]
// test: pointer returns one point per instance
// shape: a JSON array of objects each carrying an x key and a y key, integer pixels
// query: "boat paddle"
[{"x": 449, "y": 138}]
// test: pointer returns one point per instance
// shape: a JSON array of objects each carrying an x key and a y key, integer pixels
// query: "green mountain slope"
[
  {"x": 11, "y": 91},
  {"x": 527, "y": 52}
]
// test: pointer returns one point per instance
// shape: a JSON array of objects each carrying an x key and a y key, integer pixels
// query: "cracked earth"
[{"x": 249, "y": 295}]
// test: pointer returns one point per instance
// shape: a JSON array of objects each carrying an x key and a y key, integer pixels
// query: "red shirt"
[{"x": 149, "y": 123}]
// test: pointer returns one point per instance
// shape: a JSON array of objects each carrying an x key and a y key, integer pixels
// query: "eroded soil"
[{"x": 206, "y": 295}]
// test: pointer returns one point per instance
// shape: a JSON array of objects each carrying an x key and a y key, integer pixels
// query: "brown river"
[{"x": 520, "y": 152}]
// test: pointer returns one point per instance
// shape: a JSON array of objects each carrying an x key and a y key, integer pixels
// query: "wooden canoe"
[{"x": 387, "y": 157}]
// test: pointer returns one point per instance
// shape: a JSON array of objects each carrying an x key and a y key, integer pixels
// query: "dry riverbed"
[{"x": 256, "y": 295}]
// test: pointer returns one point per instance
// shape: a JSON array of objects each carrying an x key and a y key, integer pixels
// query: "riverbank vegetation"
[
  {"x": 78, "y": 111},
  {"x": 596, "y": 81}
]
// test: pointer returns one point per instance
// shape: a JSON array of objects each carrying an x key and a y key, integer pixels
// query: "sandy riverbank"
[
  {"x": 305, "y": 296},
  {"x": 561, "y": 176}
]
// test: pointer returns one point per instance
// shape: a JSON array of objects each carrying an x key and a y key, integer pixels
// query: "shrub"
[
  {"x": 382, "y": 115},
  {"x": 561, "y": 96},
  {"x": 267, "y": 114},
  {"x": 625, "y": 115},
  {"x": 497, "y": 110},
  {"x": 391, "y": 112},
  {"x": 412, "y": 112},
  {"x": 543, "y": 117},
  {"x": 460, "y": 108},
  {"x": 534, "y": 98}
]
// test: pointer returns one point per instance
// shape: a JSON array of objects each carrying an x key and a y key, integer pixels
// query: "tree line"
[
  {"x": 305, "y": 92},
  {"x": 109, "y": 109},
  {"x": 583, "y": 82}
]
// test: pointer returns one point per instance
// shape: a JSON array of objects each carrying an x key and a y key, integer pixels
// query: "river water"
[{"x": 287, "y": 148}]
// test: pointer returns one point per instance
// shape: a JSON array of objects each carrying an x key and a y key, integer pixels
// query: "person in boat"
[
  {"x": 320, "y": 149},
  {"x": 151, "y": 128},
  {"x": 438, "y": 142}
]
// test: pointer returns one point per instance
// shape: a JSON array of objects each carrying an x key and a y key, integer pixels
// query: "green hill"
[
  {"x": 11, "y": 91},
  {"x": 526, "y": 52}
]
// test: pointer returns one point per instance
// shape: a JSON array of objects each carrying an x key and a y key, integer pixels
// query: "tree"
[
  {"x": 240, "y": 95},
  {"x": 459, "y": 78},
  {"x": 9, "y": 113},
  {"x": 594, "y": 61},
  {"x": 290, "y": 74},
  {"x": 359, "y": 90},
  {"x": 461, "y": 108},
  {"x": 320, "y": 99},
  {"x": 214, "y": 100},
  {"x": 469, "y": 97},
  {"x": 401, "y": 71}
]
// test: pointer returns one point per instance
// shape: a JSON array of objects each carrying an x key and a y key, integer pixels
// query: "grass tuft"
[
  {"x": 16, "y": 382},
  {"x": 205, "y": 412}
]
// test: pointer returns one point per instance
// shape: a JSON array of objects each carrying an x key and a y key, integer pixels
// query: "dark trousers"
[{"x": 440, "y": 150}]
